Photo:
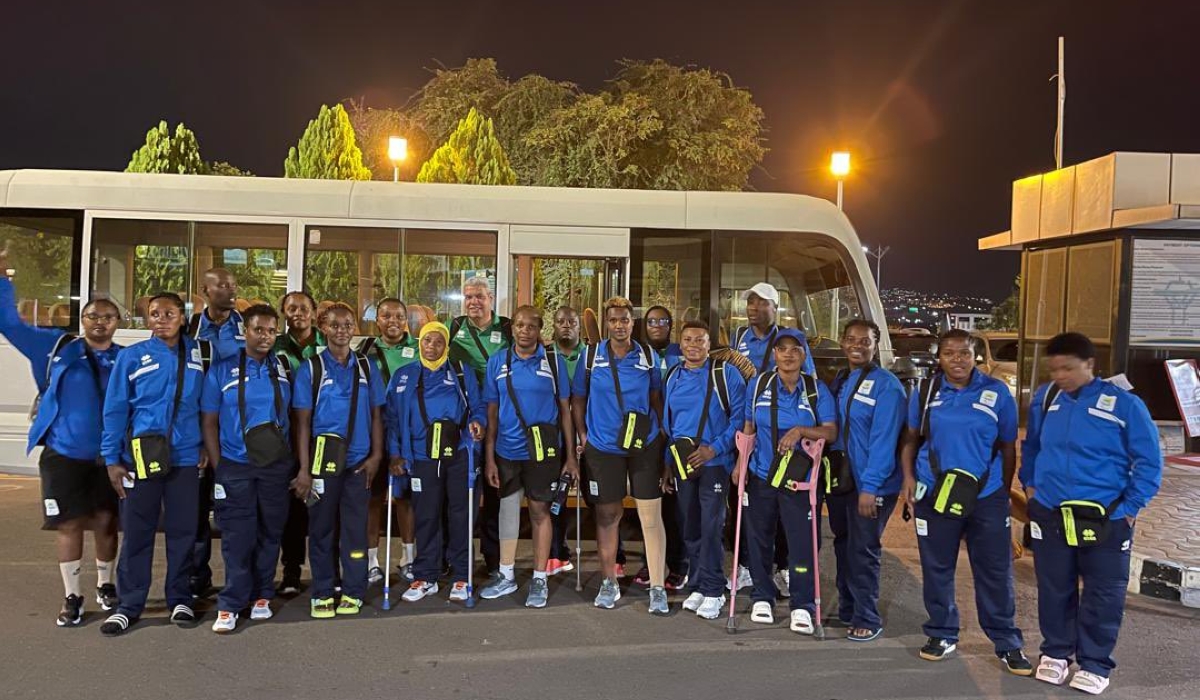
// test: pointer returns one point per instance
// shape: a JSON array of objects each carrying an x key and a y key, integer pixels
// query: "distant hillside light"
[{"x": 397, "y": 151}]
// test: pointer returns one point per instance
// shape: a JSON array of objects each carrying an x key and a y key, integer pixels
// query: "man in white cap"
[{"x": 755, "y": 341}]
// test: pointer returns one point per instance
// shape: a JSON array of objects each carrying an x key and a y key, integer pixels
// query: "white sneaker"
[
  {"x": 226, "y": 622},
  {"x": 1089, "y": 682},
  {"x": 261, "y": 610},
  {"x": 761, "y": 613},
  {"x": 743, "y": 579},
  {"x": 710, "y": 609},
  {"x": 458, "y": 592},
  {"x": 802, "y": 622},
  {"x": 693, "y": 601},
  {"x": 1051, "y": 670},
  {"x": 420, "y": 589},
  {"x": 783, "y": 580}
]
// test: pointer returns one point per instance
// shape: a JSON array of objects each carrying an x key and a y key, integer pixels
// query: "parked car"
[
  {"x": 914, "y": 360},
  {"x": 997, "y": 357}
]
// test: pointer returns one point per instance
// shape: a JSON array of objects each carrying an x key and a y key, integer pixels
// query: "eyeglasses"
[
  {"x": 101, "y": 318},
  {"x": 658, "y": 322},
  {"x": 788, "y": 349}
]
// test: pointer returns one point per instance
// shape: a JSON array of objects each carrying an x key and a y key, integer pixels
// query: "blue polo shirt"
[
  {"x": 221, "y": 397},
  {"x": 757, "y": 348},
  {"x": 535, "y": 389},
  {"x": 669, "y": 357},
  {"x": 1096, "y": 445},
  {"x": 873, "y": 418},
  {"x": 408, "y": 434},
  {"x": 140, "y": 400},
  {"x": 227, "y": 339},
  {"x": 794, "y": 410},
  {"x": 332, "y": 412},
  {"x": 965, "y": 427},
  {"x": 683, "y": 399},
  {"x": 639, "y": 376}
]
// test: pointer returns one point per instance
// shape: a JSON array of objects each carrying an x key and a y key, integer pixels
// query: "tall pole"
[
  {"x": 839, "y": 194},
  {"x": 396, "y": 173},
  {"x": 1062, "y": 102},
  {"x": 878, "y": 254}
]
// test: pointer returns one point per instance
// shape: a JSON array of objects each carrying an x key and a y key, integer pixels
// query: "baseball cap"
[
  {"x": 764, "y": 291},
  {"x": 794, "y": 334}
]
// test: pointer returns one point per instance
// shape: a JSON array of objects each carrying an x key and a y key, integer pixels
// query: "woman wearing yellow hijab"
[{"x": 429, "y": 405}]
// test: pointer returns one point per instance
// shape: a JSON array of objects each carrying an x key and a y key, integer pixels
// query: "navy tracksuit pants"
[
  {"x": 770, "y": 508},
  {"x": 988, "y": 534},
  {"x": 251, "y": 507},
  {"x": 1080, "y": 624},
  {"x": 174, "y": 498},
  {"x": 343, "y": 505},
  {"x": 202, "y": 548},
  {"x": 701, "y": 503},
  {"x": 295, "y": 535},
  {"x": 858, "y": 546},
  {"x": 440, "y": 489}
]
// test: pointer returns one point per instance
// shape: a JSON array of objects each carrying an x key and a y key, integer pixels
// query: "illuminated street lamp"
[
  {"x": 839, "y": 165},
  {"x": 397, "y": 151}
]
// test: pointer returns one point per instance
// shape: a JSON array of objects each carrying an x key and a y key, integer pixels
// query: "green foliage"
[
  {"x": 42, "y": 260},
  {"x": 327, "y": 150},
  {"x": 527, "y": 103},
  {"x": 472, "y": 155},
  {"x": 164, "y": 152},
  {"x": 1007, "y": 315},
  {"x": 159, "y": 268},
  {"x": 222, "y": 168},
  {"x": 373, "y": 127},
  {"x": 592, "y": 142},
  {"x": 451, "y": 93}
]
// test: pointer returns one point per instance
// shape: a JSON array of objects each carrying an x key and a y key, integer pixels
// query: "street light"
[
  {"x": 839, "y": 165},
  {"x": 397, "y": 151},
  {"x": 878, "y": 254}
]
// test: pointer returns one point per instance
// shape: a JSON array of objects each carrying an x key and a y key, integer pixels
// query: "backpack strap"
[
  {"x": 193, "y": 327},
  {"x": 810, "y": 393},
  {"x": 589, "y": 361},
  {"x": 717, "y": 369},
  {"x": 738, "y": 335},
  {"x": 59, "y": 345},
  {"x": 552, "y": 360},
  {"x": 317, "y": 364},
  {"x": 764, "y": 380},
  {"x": 928, "y": 388},
  {"x": 206, "y": 354},
  {"x": 1052, "y": 393}
]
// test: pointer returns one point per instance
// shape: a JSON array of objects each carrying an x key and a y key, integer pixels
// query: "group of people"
[{"x": 297, "y": 440}]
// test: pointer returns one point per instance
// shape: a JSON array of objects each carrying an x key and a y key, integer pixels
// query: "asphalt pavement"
[{"x": 433, "y": 649}]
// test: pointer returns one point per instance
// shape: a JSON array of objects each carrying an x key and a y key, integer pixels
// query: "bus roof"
[{"x": 408, "y": 201}]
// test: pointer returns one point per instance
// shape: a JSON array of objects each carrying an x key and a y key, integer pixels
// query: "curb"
[{"x": 1164, "y": 580}]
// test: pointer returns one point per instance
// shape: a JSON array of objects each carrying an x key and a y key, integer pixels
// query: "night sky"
[{"x": 942, "y": 103}]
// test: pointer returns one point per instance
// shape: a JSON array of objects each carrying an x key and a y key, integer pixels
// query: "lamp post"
[
  {"x": 839, "y": 165},
  {"x": 878, "y": 254},
  {"x": 397, "y": 151}
]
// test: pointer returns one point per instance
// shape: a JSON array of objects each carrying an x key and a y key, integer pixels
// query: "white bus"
[{"x": 73, "y": 235}]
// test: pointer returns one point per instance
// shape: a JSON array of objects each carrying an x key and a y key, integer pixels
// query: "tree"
[
  {"x": 327, "y": 150},
  {"x": 220, "y": 167},
  {"x": 1007, "y": 315},
  {"x": 452, "y": 93},
  {"x": 164, "y": 152},
  {"x": 525, "y": 105},
  {"x": 373, "y": 127},
  {"x": 472, "y": 155}
]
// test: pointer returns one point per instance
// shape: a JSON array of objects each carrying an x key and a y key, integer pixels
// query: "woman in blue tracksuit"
[
  {"x": 870, "y": 403},
  {"x": 339, "y": 440},
  {"x": 151, "y": 444},
  {"x": 244, "y": 414},
  {"x": 76, "y": 495},
  {"x": 704, "y": 404},
  {"x": 959, "y": 457},
  {"x": 429, "y": 404},
  {"x": 785, "y": 407},
  {"x": 1090, "y": 463}
]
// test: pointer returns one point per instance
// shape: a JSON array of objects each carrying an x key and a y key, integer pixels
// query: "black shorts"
[
  {"x": 537, "y": 479},
  {"x": 379, "y": 482},
  {"x": 607, "y": 474},
  {"x": 73, "y": 488}
]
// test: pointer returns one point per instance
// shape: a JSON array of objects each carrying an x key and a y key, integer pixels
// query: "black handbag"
[
  {"x": 265, "y": 442},
  {"x": 634, "y": 433},
  {"x": 681, "y": 448},
  {"x": 152, "y": 451},
  {"x": 330, "y": 450},
  {"x": 1086, "y": 523},
  {"x": 789, "y": 470},
  {"x": 543, "y": 440},
  {"x": 442, "y": 435}
]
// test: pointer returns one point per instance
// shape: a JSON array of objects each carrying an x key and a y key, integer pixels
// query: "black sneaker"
[
  {"x": 201, "y": 587},
  {"x": 675, "y": 581},
  {"x": 116, "y": 625},
  {"x": 106, "y": 596},
  {"x": 937, "y": 649},
  {"x": 72, "y": 611},
  {"x": 290, "y": 585},
  {"x": 183, "y": 616},
  {"x": 642, "y": 577},
  {"x": 1016, "y": 663}
]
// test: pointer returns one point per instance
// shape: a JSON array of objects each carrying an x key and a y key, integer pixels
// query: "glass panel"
[
  {"x": 672, "y": 271},
  {"x": 41, "y": 255},
  {"x": 360, "y": 266},
  {"x": 256, "y": 255},
  {"x": 1044, "y": 299},
  {"x": 133, "y": 259},
  {"x": 549, "y": 283},
  {"x": 1004, "y": 350},
  {"x": 1091, "y": 290},
  {"x": 816, "y": 292}
]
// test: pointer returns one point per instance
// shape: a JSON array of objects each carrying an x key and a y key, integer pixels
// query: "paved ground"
[{"x": 500, "y": 650}]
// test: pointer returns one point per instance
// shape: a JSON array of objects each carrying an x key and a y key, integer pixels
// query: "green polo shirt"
[
  {"x": 287, "y": 348},
  {"x": 571, "y": 358},
  {"x": 392, "y": 357},
  {"x": 466, "y": 342}
]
